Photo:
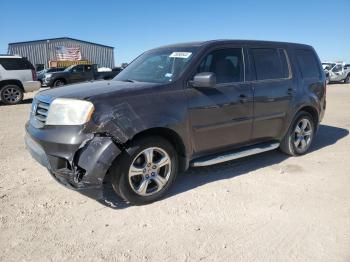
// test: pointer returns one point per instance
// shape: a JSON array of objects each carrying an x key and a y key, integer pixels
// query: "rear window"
[
  {"x": 16, "y": 64},
  {"x": 270, "y": 63},
  {"x": 308, "y": 63}
]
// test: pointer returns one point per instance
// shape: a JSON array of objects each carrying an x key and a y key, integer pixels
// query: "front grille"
[{"x": 41, "y": 111}]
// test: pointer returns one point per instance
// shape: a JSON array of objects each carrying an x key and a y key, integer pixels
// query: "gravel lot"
[{"x": 267, "y": 207}]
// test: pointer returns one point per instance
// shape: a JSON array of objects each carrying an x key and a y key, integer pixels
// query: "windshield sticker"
[
  {"x": 168, "y": 75},
  {"x": 183, "y": 55}
]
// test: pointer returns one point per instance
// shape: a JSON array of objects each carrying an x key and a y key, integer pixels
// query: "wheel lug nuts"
[
  {"x": 149, "y": 164},
  {"x": 153, "y": 174},
  {"x": 144, "y": 171},
  {"x": 154, "y": 167}
]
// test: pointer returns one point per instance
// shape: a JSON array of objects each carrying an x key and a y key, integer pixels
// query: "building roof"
[{"x": 59, "y": 38}]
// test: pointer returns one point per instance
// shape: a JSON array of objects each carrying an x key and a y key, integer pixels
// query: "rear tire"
[
  {"x": 11, "y": 94},
  {"x": 300, "y": 135},
  {"x": 145, "y": 171}
]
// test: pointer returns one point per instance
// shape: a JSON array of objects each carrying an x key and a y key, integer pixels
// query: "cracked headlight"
[
  {"x": 65, "y": 111},
  {"x": 47, "y": 76}
]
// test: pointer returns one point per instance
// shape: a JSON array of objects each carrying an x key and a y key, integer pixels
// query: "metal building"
[{"x": 41, "y": 52}]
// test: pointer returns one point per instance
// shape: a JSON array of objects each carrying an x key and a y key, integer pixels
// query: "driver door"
[
  {"x": 221, "y": 117},
  {"x": 337, "y": 73},
  {"x": 77, "y": 74}
]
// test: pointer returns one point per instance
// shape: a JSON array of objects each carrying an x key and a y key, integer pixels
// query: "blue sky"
[{"x": 135, "y": 26}]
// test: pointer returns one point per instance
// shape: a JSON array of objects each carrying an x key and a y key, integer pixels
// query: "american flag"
[{"x": 68, "y": 53}]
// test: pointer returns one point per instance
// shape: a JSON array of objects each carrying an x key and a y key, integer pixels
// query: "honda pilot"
[{"x": 193, "y": 104}]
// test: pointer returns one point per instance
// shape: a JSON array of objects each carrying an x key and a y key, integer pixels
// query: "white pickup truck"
[{"x": 336, "y": 72}]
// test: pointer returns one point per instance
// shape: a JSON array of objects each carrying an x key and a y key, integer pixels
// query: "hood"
[{"x": 91, "y": 89}]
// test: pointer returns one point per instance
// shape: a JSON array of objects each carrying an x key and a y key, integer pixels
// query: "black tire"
[
  {"x": 289, "y": 141},
  {"x": 347, "y": 79},
  {"x": 59, "y": 82},
  {"x": 11, "y": 94},
  {"x": 119, "y": 170}
]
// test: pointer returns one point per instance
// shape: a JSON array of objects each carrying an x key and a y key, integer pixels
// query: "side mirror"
[{"x": 205, "y": 79}]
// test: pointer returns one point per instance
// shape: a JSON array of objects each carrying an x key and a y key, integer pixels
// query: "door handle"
[
  {"x": 243, "y": 99},
  {"x": 290, "y": 91}
]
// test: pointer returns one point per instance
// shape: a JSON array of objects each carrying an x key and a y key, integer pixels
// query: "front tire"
[
  {"x": 58, "y": 83},
  {"x": 145, "y": 171},
  {"x": 300, "y": 135},
  {"x": 347, "y": 79},
  {"x": 11, "y": 95}
]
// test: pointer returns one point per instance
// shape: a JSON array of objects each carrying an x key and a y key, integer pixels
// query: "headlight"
[
  {"x": 64, "y": 111},
  {"x": 48, "y": 75}
]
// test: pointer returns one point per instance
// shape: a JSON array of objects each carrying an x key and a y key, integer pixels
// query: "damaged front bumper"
[{"x": 76, "y": 160}]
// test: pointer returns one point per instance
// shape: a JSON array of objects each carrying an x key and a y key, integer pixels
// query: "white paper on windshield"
[
  {"x": 168, "y": 75},
  {"x": 183, "y": 55}
]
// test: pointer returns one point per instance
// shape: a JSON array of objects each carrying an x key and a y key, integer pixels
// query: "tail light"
[{"x": 34, "y": 75}]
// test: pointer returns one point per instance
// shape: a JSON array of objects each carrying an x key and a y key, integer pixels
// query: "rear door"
[
  {"x": 221, "y": 117},
  {"x": 273, "y": 90},
  {"x": 88, "y": 73}
]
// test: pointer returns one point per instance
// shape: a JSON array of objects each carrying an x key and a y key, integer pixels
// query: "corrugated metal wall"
[{"x": 41, "y": 52}]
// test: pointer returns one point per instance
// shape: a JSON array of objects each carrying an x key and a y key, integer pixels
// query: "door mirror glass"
[{"x": 205, "y": 79}]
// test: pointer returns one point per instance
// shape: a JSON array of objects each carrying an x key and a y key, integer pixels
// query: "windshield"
[
  {"x": 159, "y": 66},
  {"x": 69, "y": 68},
  {"x": 328, "y": 66},
  {"x": 42, "y": 71}
]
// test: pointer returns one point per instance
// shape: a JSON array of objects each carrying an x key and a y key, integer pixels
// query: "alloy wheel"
[
  {"x": 150, "y": 171},
  {"x": 59, "y": 83},
  {"x": 303, "y": 134},
  {"x": 11, "y": 95}
]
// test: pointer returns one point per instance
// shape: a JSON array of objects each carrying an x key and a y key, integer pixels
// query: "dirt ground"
[{"x": 268, "y": 207}]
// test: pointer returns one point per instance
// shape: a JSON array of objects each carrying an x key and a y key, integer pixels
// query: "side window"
[
  {"x": 270, "y": 63},
  {"x": 78, "y": 69},
  {"x": 227, "y": 64},
  {"x": 307, "y": 63},
  {"x": 337, "y": 68},
  {"x": 16, "y": 64}
]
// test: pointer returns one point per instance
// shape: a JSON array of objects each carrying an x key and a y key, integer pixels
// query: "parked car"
[
  {"x": 41, "y": 74},
  {"x": 17, "y": 76},
  {"x": 76, "y": 74},
  {"x": 336, "y": 72},
  {"x": 194, "y": 104}
]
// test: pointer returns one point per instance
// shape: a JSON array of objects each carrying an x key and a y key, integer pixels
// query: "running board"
[{"x": 228, "y": 156}]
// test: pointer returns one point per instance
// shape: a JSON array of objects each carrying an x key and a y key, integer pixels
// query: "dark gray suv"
[{"x": 193, "y": 104}]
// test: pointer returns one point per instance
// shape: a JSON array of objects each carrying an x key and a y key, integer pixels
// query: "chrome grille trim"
[{"x": 41, "y": 111}]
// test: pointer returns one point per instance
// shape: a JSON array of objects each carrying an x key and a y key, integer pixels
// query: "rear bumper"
[
  {"x": 30, "y": 86},
  {"x": 78, "y": 166}
]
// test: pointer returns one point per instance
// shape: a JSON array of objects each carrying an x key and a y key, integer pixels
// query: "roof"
[
  {"x": 59, "y": 38},
  {"x": 229, "y": 41},
  {"x": 10, "y": 56}
]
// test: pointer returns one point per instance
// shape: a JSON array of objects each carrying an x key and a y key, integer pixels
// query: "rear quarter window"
[
  {"x": 308, "y": 63},
  {"x": 16, "y": 64},
  {"x": 270, "y": 63}
]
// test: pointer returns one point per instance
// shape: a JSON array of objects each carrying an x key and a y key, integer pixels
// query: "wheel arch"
[
  {"x": 312, "y": 111},
  {"x": 173, "y": 137},
  {"x": 16, "y": 82}
]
